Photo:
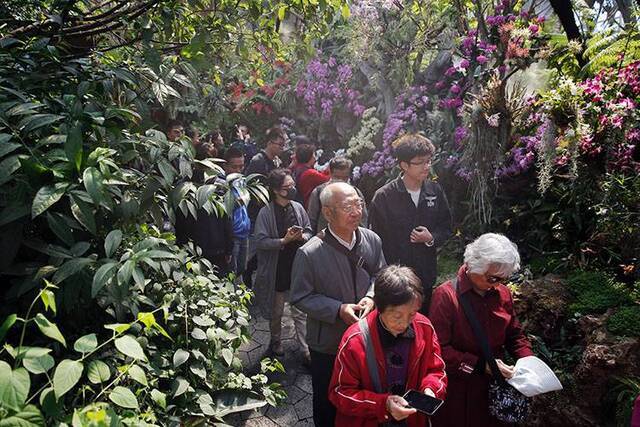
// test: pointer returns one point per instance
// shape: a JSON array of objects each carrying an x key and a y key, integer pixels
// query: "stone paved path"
[{"x": 297, "y": 408}]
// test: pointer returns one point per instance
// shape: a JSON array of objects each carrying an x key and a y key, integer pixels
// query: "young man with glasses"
[{"x": 411, "y": 214}]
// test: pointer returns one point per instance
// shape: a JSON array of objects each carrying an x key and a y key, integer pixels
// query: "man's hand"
[
  {"x": 420, "y": 234},
  {"x": 397, "y": 407},
  {"x": 348, "y": 313},
  {"x": 366, "y": 305}
]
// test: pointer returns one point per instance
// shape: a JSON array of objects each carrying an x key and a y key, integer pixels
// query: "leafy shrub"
[
  {"x": 83, "y": 194},
  {"x": 625, "y": 322}
]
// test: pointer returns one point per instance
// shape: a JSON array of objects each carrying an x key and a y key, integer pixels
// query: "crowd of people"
[{"x": 360, "y": 279}]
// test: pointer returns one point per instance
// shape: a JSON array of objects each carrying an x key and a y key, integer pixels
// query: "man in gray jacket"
[{"x": 332, "y": 281}]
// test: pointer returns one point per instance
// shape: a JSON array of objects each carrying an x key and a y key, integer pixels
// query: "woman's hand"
[
  {"x": 507, "y": 371},
  {"x": 397, "y": 407},
  {"x": 293, "y": 233}
]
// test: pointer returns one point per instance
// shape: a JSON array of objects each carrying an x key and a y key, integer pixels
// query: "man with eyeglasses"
[
  {"x": 339, "y": 171},
  {"x": 411, "y": 213},
  {"x": 264, "y": 162},
  {"x": 332, "y": 282}
]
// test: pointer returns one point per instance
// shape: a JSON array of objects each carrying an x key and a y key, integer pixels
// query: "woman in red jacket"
[
  {"x": 488, "y": 263},
  {"x": 407, "y": 354}
]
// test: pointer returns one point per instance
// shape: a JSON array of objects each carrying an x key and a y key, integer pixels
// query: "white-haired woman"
[{"x": 488, "y": 262}]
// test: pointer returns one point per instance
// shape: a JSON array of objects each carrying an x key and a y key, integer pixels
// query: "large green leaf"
[
  {"x": 128, "y": 346},
  {"x": 230, "y": 401},
  {"x": 125, "y": 272},
  {"x": 73, "y": 146},
  {"x": 179, "y": 357},
  {"x": 159, "y": 398},
  {"x": 36, "y": 121},
  {"x": 102, "y": 277},
  {"x": 51, "y": 406},
  {"x": 179, "y": 386},
  {"x": 112, "y": 242},
  {"x": 7, "y": 324},
  {"x": 123, "y": 397},
  {"x": 83, "y": 212},
  {"x": 70, "y": 268},
  {"x": 7, "y": 167},
  {"x": 25, "y": 352},
  {"x": 93, "y": 182},
  {"x": 6, "y": 148},
  {"x": 39, "y": 365},
  {"x": 137, "y": 374},
  {"x": 66, "y": 375},
  {"x": 14, "y": 386},
  {"x": 60, "y": 227},
  {"x": 29, "y": 416},
  {"x": 46, "y": 197},
  {"x": 49, "y": 329},
  {"x": 86, "y": 343},
  {"x": 24, "y": 108},
  {"x": 13, "y": 212},
  {"x": 98, "y": 372}
]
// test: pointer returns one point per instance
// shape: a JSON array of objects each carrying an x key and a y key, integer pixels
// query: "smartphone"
[
  {"x": 422, "y": 402},
  {"x": 296, "y": 228}
]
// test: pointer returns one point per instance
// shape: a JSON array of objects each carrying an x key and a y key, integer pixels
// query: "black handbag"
[{"x": 505, "y": 402}]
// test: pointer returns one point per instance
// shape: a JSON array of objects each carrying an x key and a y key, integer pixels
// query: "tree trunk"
[
  {"x": 388, "y": 100},
  {"x": 564, "y": 10}
]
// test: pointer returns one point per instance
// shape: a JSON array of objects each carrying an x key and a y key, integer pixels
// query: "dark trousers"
[
  {"x": 324, "y": 413},
  {"x": 252, "y": 266}
]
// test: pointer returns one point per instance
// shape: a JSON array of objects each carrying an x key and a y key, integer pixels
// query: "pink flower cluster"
[
  {"x": 611, "y": 105},
  {"x": 325, "y": 89}
]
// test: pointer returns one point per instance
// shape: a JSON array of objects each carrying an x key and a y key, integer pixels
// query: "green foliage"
[
  {"x": 595, "y": 292},
  {"x": 612, "y": 48},
  {"x": 626, "y": 391},
  {"x": 625, "y": 322},
  {"x": 84, "y": 188}
]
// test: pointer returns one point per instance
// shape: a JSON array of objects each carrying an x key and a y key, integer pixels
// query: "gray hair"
[
  {"x": 492, "y": 249},
  {"x": 328, "y": 192}
]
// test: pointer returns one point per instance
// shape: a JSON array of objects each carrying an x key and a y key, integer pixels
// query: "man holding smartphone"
[{"x": 411, "y": 213}]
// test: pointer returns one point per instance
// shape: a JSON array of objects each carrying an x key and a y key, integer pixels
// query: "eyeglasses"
[
  {"x": 422, "y": 163},
  {"x": 352, "y": 207},
  {"x": 495, "y": 279}
]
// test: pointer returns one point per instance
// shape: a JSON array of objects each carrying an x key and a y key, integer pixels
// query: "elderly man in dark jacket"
[
  {"x": 411, "y": 214},
  {"x": 332, "y": 281}
]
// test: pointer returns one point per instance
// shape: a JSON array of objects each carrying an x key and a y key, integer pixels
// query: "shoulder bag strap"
[
  {"x": 354, "y": 260},
  {"x": 479, "y": 334},
  {"x": 372, "y": 364}
]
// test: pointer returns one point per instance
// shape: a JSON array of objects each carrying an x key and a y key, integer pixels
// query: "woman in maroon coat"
[{"x": 488, "y": 262}]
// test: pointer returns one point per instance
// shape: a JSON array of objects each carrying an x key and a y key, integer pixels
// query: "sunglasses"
[{"x": 495, "y": 279}]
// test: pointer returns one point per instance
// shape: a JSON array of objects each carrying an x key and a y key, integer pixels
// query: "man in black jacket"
[{"x": 411, "y": 213}]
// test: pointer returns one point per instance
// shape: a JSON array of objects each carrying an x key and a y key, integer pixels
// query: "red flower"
[{"x": 268, "y": 90}]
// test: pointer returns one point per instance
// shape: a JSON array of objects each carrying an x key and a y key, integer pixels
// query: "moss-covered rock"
[{"x": 595, "y": 292}]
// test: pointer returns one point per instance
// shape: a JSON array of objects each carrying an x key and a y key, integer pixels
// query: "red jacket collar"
[{"x": 416, "y": 349}]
